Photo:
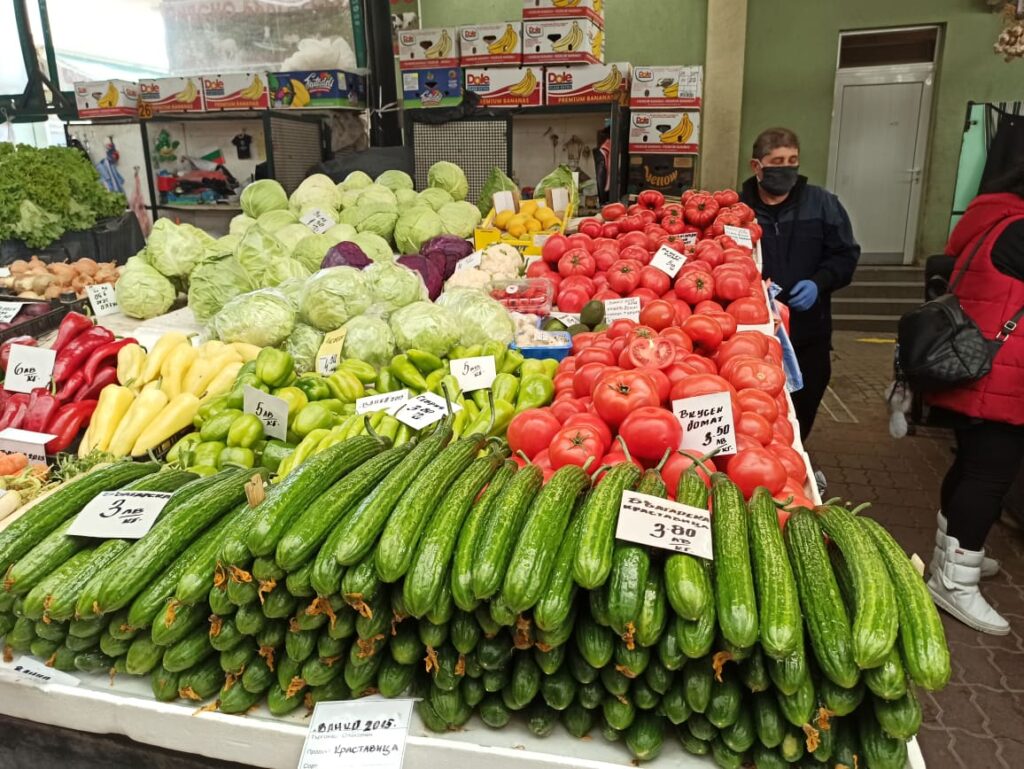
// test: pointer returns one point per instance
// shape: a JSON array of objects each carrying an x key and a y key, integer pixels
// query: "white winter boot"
[
  {"x": 955, "y": 574},
  {"x": 989, "y": 566}
]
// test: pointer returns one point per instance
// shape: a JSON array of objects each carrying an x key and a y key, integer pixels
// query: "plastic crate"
[
  {"x": 532, "y": 296},
  {"x": 45, "y": 323},
  {"x": 487, "y": 234}
]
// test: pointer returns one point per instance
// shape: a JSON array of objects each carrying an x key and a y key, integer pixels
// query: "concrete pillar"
[{"x": 723, "y": 92}]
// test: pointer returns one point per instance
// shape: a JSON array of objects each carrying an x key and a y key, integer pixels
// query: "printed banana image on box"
[
  {"x": 586, "y": 83},
  {"x": 507, "y": 86},
  {"x": 665, "y": 132},
  {"x": 315, "y": 89},
  {"x": 563, "y": 41},
  {"x": 489, "y": 44},
  {"x": 422, "y": 48},
  {"x": 565, "y": 9}
]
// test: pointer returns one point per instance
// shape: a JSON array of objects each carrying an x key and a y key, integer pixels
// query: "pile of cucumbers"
[{"x": 442, "y": 569}]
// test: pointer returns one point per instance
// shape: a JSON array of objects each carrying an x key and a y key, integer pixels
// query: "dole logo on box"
[
  {"x": 534, "y": 30},
  {"x": 213, "y": 86},
  {"x": 470, "y": 35},
  {"x": 408, "y": 39},
  {"x": 643, "y": 74},
  {"x": 149, "y": 88},
  {"x": 560, "y": 78},
  {"x": 478, "y": 80},
  {"x": 642, "y": 121}
]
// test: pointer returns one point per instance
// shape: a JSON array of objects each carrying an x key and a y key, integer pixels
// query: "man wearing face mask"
[{"x": 809, "y": 251}]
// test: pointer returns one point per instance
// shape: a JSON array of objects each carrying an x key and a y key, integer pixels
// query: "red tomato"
[
  {"x": 655, "y": 280},
  {"x": 579, "y": 240},
  {"x": 564, "y": 382},
  {"x": 605, "y": 294},
  {"x": 702, "y": 384},
  {"x": 646, "y": 295},
  {"x": 654, "y": 353},
  {"x": 678, "y": 371},
  {"x": 538, "y": 269},
  {"x": 791, "y": 458},
  {"x": 594, "y": 422},
  {"x": 631, "y": 223},
  {"x": 775, "y": 350},
  {"x": 572, "y": 300},
  {"x": 694, "y": 286},
  {"x": 700, "y": 364},
  {"x": 727, "y": 197},
  {"x": 613, "y": 211},
  {"x": 749, "y": 372},
  {"x": 681, "y": 461},
  {"x": 650, "y": 432},
  {"x": 682, "y": 309},
  {"x": 758, "y": 402},
  {"x": 613, "y": 458},
  {"x": 576, "y": 261},
  {"x": 707, "y": 306},
  {"x": 705, "y": 332},
  {"x": 783, "y": 430},
  {"x": 595, "y": 354},
  {"x": 754, "y": 425},
  {"x": 574, "y": 446},
  {"x": 604, "y": 258},
  {"x": 554, "y": 247},
  {"x": 652, "y": 199},
  {"x": 734, "y": 257},
  {"x": 661, "y": 382},
  {"x": 748, "y": 311},
  {"x": 711, "y": 252},
  {"x": 658, "y": 314},
  {"x": 591, "y": 227},
  {"x": 531, "y": 431},
  {"x": 700, "y": 209},
  {"x": 619, "y": 393},
  {"x": 730, "y": 283},
  {"x": 623, "y": 277},
  {"x": 543, "y": 459},
  {"x": 567, "y": 363},
  {"x": 564, "y": 408},
  {"x": 726, "y": 321},
  {"x": 744, "y": 343},
  {"x": 585, "y": 376},
  {"x": 751, "y": 468},
  {"x": 677, "y": 335},
  {"x": 609, "y": 230},
  {"x": 582, "y": 341},
  {"x": 743, "y": 211},
  {"x": 633, "y": 239},
  {"x": 635, "y": 252},
  {"x": 621, "y": 327}
]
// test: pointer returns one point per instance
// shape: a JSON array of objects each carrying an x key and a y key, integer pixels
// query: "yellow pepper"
[
  {"x": 175, "y": 367},
  {"x": 247, "y": 351},
  {"x": 212, "y": 349},
  {"x": 139, "y": 415},
  {"x": 160, "y": 351},
  {"x": 114, "y": 402},
  {"x": 175, "y": 416},
  {"x": 130, "y": 360},
  {"x": 222, "y": 380},
  {"x": 204, "y": 370}
]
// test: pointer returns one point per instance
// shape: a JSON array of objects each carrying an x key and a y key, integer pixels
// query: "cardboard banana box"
[
  {"x": 670, "y": 132},
  {"x": 170, "y": 94},
  {"x": 666, "y": 87},
  {"x": 507, "y": 86},
  {"x": 586, "y": 83},
  {"x": 489, "y": 44},
  {"x": 563, "y": 41},
  {"x": 107, "y": 98},
  {"x": 565, "y": 9},
  {"x": 428, "y": 48},
  {"x": 236, "y": 90},
  {"x": 317, "y": 89}
]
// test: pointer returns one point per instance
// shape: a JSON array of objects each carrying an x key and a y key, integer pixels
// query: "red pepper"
[
  {"x": 103, "y": 353},
  {"x": 71, "y": 385},
  {"x": 91, "y": 390},
  {"x": 41, "y": 408},
  {"x": 74, "y": 323},
  {"x": 76, "y": 352},
  {"x": 5, "y": 348},
  {"x": 66, "y": 424},
  {"x": 14, "y": 412}
]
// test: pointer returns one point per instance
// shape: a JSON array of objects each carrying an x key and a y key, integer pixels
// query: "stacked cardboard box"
[{"x": 429, "y": 62}]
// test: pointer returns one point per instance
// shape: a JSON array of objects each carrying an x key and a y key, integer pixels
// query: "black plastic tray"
[{"x": 43, "y": 324}]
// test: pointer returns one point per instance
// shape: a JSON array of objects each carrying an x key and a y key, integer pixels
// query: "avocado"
[
  {"x": 579, "y": 328},
  {"x": 552, "y": 324},
  {"x": 600, "y": 327},
  {"x": 592, "y": 313}
]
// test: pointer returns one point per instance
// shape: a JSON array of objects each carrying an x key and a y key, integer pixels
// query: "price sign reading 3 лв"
[{"x": 119, "y": 514}]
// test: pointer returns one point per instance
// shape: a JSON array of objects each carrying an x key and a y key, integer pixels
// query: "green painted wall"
[
  {"x": 790, "y": 72},
  {"x": 648, "y": 32}
]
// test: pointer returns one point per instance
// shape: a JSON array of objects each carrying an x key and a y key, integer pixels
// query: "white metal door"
[{"x": 877, "y": 154}]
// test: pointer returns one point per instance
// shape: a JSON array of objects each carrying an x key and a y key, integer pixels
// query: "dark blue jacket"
[{"x": 808, "y": 238}]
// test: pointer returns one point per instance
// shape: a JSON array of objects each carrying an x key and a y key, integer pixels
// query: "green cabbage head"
[
  {"x": 272, "y": 221},
  {"x": 425, "y": 326},
  {"x": 264, "y": 318},
  {"x": 213, "y": 284},
  {"x": 256, "y": 250},
  {"x": 356, "y": 180},
  {"x": 369, "y": 339},
  {"x": 459, "y": 218},
  {"x": 174, "y": 250},
  {"x": 416, "y": 227},
  {"x": 450, "y": 178},
  {"x": 303, "y": 344},
  {"x": 395, "y": 180},
  {"x": 142, "y": 292},
  {"x": 333, "y": 297},
  {"x": 262, "y": 196}
]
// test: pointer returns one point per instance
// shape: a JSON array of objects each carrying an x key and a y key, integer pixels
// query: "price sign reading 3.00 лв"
[{"x": 662, "y": 523}]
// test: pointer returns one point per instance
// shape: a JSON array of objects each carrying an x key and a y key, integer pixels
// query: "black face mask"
[{"x": 779, "y": 180}]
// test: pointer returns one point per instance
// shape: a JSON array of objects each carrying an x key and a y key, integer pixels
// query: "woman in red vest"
[{"x": 988, "y": 413}]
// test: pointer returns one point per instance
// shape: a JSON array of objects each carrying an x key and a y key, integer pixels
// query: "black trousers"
[
  {"x": 988, "y": 458},
  {"x": 815, "y": 358}
]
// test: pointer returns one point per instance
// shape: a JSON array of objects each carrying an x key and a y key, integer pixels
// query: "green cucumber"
[
  {"x": 593, "y": 561},
  {"x": 736, "y": 601},
  {"x": 777, "y": 599}
]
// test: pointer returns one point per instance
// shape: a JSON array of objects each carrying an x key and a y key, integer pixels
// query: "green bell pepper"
[
  {"x": 535, "y": 390},
  {"x": 336, "y": 406},
  {"x": 210, "y": 409},
  {"x": 236, "y": 456},
  {"x": 365, "y": 372},
  {"x": 434, "y": 379},
  {"x": 479, "y": 398},
  {"x": 182, "y": 451},
  {"x": 451, "y": 384},
  {"x": 236, "y": 398},
  {"x": 207, "y": 452},
  {"x": 274, "y": 367},
  {"x": 424, "y": 361},
  {"x": 550, "y": 367},
  {"x": 294, "y": 397},
  {"x": 531, "y": 366},
  {"x": 313, "y": 417},
  {"x": 216, "y": 429},
  {"x": 513, "y": 360},
  {"x": 503, "y": 413},
  {"x": 245, "y": 431},
  {"x": 345, "y": 386},
  {"x": 314, "y": 386},
  {"x": 505, "y": 387},
  {"x": 406, "y": 373},
  {"x": 498, "y": 350},
  {"x": 458, "y": 351}
]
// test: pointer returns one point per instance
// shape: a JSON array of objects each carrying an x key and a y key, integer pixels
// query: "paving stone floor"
[{"x": 976, "y": 722}]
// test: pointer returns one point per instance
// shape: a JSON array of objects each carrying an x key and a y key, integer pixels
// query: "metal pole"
[{"x": 385, "y": 129}]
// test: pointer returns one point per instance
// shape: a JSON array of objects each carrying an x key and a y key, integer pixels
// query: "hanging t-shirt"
[{"x": 243, "y": 143}]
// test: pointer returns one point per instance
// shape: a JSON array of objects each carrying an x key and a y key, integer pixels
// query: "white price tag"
[
  {"x": 474, "y": 373},
  {"x": 469, "y": 262},
  {"x": 668, "y": 260},
  {"x": 707, "y": 422},
  {"x": 272, "y": 411},
  {"x": 390, "y": 402},
  {"x": 120, "y": 514},
  {"x": 740, "y": 234},
  {"x": 424, "y": 410},
  {"x": 9, "y": 310},
  {"x": 329, "y": 355},
  {"x": 29, "y": 368},
  {"x": 32, "y": 445},
  {"x": 103, "y": 299},
  {"x": 622, "y": 309},
  {"x": 367, "y": 733},
  {"x": 689, "y": 238},
  {"x": 35, "y": 671},
  {"x": 664, "y": 524},
  {"x": 566, "y": 318},
  {"x": 318, "y": 220}
]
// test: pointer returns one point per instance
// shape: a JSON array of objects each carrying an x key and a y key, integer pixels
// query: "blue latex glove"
[{"x": 803, "y": 295}]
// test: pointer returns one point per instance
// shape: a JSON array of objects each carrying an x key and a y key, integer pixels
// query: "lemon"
[
  {"x": 501, "y": 219},
  {"x": 533, "y": 225},
  {"x": 528, "y": 207},
  {"x": 517, "y": 230}
]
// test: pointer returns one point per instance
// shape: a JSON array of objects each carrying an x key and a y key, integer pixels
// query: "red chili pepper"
[
  {"x": 103, "y": 353},
  {"x": 66, "y": 424},
  {"x": 14, "y": 411},
  {"x": 77, "y": 351},
  {"x": 74, "y": 323},
  {"x": 71, "y": 385},
  {"x": 41, "y": 408},
  {"x": 5, "y": 348},
  {"x": 91, "y": 390}
]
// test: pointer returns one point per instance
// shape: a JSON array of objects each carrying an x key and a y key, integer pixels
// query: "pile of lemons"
[{"x": 533, "y": 217}]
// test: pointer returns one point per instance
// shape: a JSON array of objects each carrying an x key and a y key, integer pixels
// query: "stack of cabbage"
[{"x": 269, "y": 244}]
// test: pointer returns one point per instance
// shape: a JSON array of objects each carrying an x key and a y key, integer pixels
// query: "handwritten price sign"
[
  {"x": 707, "y": 422},
  {"x": 664, "y": 524},
  {"x": 272, "y": 411},
  {"x": 369, "y": 733},
  {"x": 474, "y": 373},
  {"x": 120, "y": 514},
  {"x": 29, "y": 368}
]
